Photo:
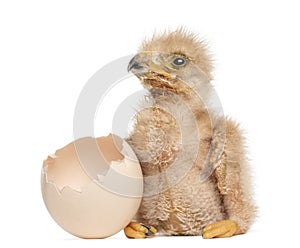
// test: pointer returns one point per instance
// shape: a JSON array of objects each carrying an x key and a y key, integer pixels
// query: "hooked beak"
[
  {"x": 139, "y": 64},
  {"x": 148, "y": 64}
]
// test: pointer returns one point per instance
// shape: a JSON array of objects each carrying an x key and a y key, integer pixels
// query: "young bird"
[{"x": 193, "y": 159}]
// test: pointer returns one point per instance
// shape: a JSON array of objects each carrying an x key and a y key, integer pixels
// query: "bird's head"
[{"x": 175, "y": 61}]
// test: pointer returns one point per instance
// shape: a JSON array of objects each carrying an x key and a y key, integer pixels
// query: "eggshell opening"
[{"x": 79, "y": 153}]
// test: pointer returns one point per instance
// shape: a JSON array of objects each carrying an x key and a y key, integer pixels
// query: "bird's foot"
[
  {"x": 139, "y": 231},
  {"x": 221, "y": 229}
]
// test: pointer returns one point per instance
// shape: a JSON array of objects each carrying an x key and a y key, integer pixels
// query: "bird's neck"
[{"x": 194, "y": 101}]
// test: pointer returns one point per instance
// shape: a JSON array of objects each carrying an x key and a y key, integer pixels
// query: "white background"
[{"x": 49, "y": 49}]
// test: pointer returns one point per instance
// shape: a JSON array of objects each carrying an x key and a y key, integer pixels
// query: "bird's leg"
[
  {"x": 139, "y": 230},
  {"x": 221, "y": 229}
]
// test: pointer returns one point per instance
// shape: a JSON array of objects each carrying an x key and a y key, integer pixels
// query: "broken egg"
[{"x": 93, "y": 186}]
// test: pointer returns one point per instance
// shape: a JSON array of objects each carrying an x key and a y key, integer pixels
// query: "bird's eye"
[{"x": 179, "y": 61}]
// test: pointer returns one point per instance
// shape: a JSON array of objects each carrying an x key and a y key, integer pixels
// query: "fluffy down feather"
[{"x": 175, "y": 137}]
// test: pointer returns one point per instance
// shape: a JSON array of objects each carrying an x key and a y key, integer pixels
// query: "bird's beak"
[
  {"x": 146, "y": 63},
  {"x": 139, "y": 64}
]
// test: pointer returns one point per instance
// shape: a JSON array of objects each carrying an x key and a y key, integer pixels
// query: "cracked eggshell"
[{"x": 97, "y": 205}]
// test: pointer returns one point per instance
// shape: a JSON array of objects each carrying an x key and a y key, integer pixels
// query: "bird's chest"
[{"x": 171, "y": 136}]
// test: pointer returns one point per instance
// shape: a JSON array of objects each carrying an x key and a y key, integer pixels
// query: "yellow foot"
[
  {"x": 221, "y": 229},
  {"x": 139, "y": 231}
]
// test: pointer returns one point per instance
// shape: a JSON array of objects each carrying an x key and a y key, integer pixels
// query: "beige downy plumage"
[{"x": 193, "y": 159}]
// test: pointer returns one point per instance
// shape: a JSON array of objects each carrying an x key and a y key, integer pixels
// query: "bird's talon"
[
  {"x": 139, "y": 230},
  {"x": 151, "y": 229},
  {"x": 221, "y": 229}
]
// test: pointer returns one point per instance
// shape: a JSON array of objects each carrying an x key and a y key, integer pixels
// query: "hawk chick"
[{"x": 193, "y": 159}]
